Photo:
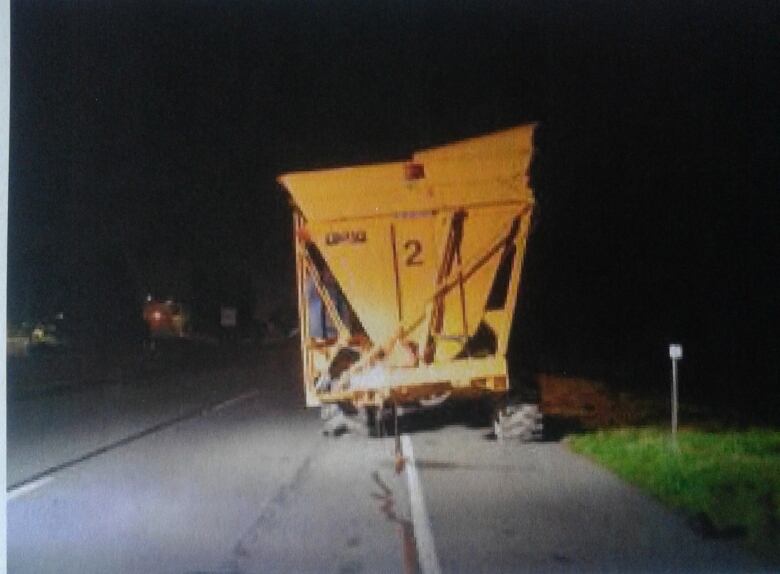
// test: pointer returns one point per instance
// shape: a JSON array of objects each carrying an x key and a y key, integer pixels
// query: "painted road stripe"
[
  {"x": 40, "y": 476},
  {"x": 426, "y": 549},
  {"x": 234, "y": 400},
  {"x": 27, "y": 488}
]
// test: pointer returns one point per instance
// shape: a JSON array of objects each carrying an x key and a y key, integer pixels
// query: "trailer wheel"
[
  {"x": 522, "y": 422},
  {"x": 370, "y": 422},
  {"x": 335, "y": 422},
  {"x": 328, "y": 411},
  {"x": 340, "y": 419}
]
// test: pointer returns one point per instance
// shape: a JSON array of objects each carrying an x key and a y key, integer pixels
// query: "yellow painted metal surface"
[
  {"x": 427, "y": 254},
  {"x": 488, "y": 169}
]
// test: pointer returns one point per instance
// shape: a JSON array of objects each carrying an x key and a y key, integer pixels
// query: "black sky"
[{"x": 146, "y": 136}]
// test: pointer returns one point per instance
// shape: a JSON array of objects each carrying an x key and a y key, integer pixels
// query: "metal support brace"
[
  {"x": 327, "y": 300},
  {"x": 468, "y": 269}
]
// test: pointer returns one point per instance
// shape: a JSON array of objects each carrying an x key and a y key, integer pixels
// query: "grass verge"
[{"x": 727, "y": 482}]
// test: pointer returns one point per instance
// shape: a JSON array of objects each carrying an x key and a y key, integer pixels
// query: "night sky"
[{"x": 146, "y": 138}]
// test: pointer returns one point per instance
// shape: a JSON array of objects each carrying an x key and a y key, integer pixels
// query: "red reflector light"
[
  {"x": 414, "y": 171},
  {"x": 480, "y": 383}
]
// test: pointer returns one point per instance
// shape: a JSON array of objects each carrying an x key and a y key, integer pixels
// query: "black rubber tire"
[
  {"x": 519, "y": 421},
  {"x": 340, "y": 419}
]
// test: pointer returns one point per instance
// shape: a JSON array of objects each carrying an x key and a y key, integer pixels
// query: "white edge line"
[
  {"x": 36, "y": 484},
  {"x": 234, "y": 400},
  {"x": 426, "y": 549},
  {"x": 27, "y": 488}
]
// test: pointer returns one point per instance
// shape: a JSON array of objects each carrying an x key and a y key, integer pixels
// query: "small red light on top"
[{"x": 413, "y": 171}]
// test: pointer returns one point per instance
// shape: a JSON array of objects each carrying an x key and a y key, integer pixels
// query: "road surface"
[{"x": 225, "y": 472}]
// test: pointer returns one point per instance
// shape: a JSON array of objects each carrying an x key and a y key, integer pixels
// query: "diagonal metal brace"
[{"x": 327, "y": 300}]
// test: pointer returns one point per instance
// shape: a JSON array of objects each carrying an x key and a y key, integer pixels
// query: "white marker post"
[{"x": 675, "y": 354}]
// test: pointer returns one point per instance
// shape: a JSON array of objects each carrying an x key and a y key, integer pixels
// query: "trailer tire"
[
  {"x": 369, "y": 422},
  {"x": 328, "y": 411},
  {"x": 521, "y": 422},
  {"x": 335, "y": 422},
  {"x": 338, "y": 420}
]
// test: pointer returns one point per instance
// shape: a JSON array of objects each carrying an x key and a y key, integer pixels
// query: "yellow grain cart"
[{"x": 408, "y": 273}]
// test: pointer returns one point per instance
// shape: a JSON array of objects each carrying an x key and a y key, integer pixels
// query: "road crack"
[{"x": 269, "y": 516}]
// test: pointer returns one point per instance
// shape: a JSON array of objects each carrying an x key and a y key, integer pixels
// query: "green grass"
[{"x": 729, "y": 480}]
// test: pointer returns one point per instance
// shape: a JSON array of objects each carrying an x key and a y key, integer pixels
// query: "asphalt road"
[{"x": 226, "y": 472}]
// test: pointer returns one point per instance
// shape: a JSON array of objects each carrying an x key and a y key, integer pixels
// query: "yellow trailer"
[{"x": 408, "y": 273}]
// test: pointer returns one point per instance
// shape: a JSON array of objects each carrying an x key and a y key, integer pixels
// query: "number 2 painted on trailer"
[{"x": 413, "y": 249}]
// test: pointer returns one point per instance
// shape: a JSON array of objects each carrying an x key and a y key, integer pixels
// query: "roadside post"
[
  {"x": 675, "y": 354},
  {"x": 228, "y": 320}
]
